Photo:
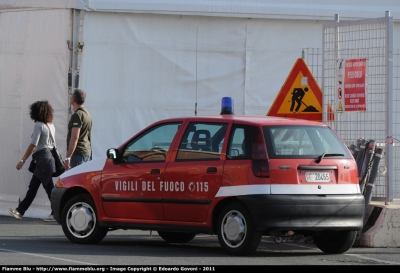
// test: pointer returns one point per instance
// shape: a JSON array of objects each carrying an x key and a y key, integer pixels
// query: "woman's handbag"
[
  {"x": 60, "y": 169},
  {"x": 32, "y": 165}
]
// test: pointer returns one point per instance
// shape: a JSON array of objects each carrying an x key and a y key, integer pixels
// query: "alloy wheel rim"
[
  {"x": 234, "y": 229},
  {"x": 81, "y": 220}
]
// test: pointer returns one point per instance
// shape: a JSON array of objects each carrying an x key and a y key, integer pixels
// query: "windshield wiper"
[{"x": 327, "y": 154}]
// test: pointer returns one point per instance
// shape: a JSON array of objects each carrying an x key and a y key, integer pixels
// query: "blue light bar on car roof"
[{"x": 227, "y": 106}]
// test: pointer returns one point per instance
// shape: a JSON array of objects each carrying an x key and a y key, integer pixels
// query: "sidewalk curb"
[{"x": 382, "y": 228}]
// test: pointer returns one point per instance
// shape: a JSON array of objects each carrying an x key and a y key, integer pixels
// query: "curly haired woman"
[{"x": 44, "y": 131}]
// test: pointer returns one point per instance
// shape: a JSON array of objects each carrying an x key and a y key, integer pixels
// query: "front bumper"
[
  {"x": 56, "y": 196},
  {"x": 306, "y": 212}
]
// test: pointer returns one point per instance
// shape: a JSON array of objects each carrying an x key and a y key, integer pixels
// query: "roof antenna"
[{"x": 195, "y": 105}]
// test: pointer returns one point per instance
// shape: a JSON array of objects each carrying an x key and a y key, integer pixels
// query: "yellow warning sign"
[
  {"x": 300, "y": 96},
  {"x": 300, "y": 99},
  {"x": 340, "y": 107}
]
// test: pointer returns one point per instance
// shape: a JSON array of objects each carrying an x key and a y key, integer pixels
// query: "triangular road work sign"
[{"x": 300, "y": 96}]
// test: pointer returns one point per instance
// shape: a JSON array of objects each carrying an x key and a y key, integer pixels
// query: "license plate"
[{"x": 317, "y": 177}]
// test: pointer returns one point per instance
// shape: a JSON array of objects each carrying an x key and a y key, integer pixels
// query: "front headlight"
[{"x": 59, "y": 184}]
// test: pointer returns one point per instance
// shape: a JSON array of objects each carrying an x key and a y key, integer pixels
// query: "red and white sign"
[{"x": 351, "y": 95}]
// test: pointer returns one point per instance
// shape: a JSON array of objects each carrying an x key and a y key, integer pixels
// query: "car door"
[
  {"x": 238, "y": 164},
  {"x": 193, "y": 177},
  {"x": 131, "y": 188}
]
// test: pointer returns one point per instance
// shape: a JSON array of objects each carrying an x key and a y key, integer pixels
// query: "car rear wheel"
[
  {"x": 334, "y": 242},
  {"x": 236, "y": 232},
  {"x": 176, "y": 237},
  {"x": 79, "y": 221}
]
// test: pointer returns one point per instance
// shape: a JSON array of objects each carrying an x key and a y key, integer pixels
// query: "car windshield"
[{"x": 303, "y": 142}]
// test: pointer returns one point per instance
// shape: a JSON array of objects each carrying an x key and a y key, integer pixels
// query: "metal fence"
[{"x": 371, "y": 39}]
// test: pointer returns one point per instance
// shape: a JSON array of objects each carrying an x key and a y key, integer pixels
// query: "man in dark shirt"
[{"x": 79, "y": 148}]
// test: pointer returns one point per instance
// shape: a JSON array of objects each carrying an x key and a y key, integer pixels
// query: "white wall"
[
  {"x": 33, "y": 66},
  {"x": 139, "y": 68}
]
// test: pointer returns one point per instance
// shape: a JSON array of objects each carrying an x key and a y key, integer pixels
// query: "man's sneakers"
[
  {"x": 18, "y": 215},
  {"x": 49, "y": 219},
  {"x": 15, "y": 213}
]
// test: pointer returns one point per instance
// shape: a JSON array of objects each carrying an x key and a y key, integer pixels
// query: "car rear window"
[{"x": 302, "y": 142}]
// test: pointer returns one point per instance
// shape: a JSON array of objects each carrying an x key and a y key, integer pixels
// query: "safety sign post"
[
  {"x": 350, "y": 85},
  {"x": 300, "y": 96}
]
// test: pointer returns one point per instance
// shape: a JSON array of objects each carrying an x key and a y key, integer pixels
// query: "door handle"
[
  {"x": 211, "y": 170},
  {"x": 155, "y": 171}
]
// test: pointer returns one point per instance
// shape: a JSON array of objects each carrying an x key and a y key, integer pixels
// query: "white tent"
[{"x": 141, "y": 61}]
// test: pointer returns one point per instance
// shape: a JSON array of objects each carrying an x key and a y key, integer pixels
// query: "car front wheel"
[
  {"x": 79, "y": 221},
  {"x": 236, "y": 232}
]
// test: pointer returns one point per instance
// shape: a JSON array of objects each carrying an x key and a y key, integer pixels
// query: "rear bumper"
[
  {"x": 56, "y": 195},
  {"x": 306, "y": 212}
]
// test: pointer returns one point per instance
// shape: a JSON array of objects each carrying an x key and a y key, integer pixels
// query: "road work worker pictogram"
[{"x": 297, "y": 97}]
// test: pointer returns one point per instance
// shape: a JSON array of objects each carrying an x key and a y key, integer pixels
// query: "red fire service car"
[{"x": 240, "y": 177}]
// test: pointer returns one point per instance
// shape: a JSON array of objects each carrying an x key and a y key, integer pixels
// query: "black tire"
[
  {"x": 79, "y": 221},
  {"x": 176, "y": 237},
  {"x": 334, "y": 242},
  {"x": 236, "y": 232}
]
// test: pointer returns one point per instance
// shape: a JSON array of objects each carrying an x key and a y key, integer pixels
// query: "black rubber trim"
[
  {"x": 156, "y": 200},
  {"x": 132, "y": 200},
  {"x": 317, "y": 168},
  {"x": 176, "y": 228},
  {"x": 305, "y": 212},
  {"x": 189, "y": 202},
  {"x": 56, "y": 196}
]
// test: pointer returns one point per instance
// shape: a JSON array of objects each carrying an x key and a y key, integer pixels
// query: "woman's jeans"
[{"x": 32, "y": 191}]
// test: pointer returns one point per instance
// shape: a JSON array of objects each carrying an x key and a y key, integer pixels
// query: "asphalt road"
[{"x": 37, "y": 243}]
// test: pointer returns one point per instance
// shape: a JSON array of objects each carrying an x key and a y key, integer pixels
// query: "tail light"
[{"x": 259, "y": 160}]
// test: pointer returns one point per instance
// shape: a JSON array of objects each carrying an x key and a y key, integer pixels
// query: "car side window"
[
  {"x": 152, "y": 145},
  {"x": 202, "y": 141},
  {"x": 239, "y": 143}
]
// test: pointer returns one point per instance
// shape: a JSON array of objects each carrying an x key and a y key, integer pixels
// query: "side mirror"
[{"x": 113, "y": 154}]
